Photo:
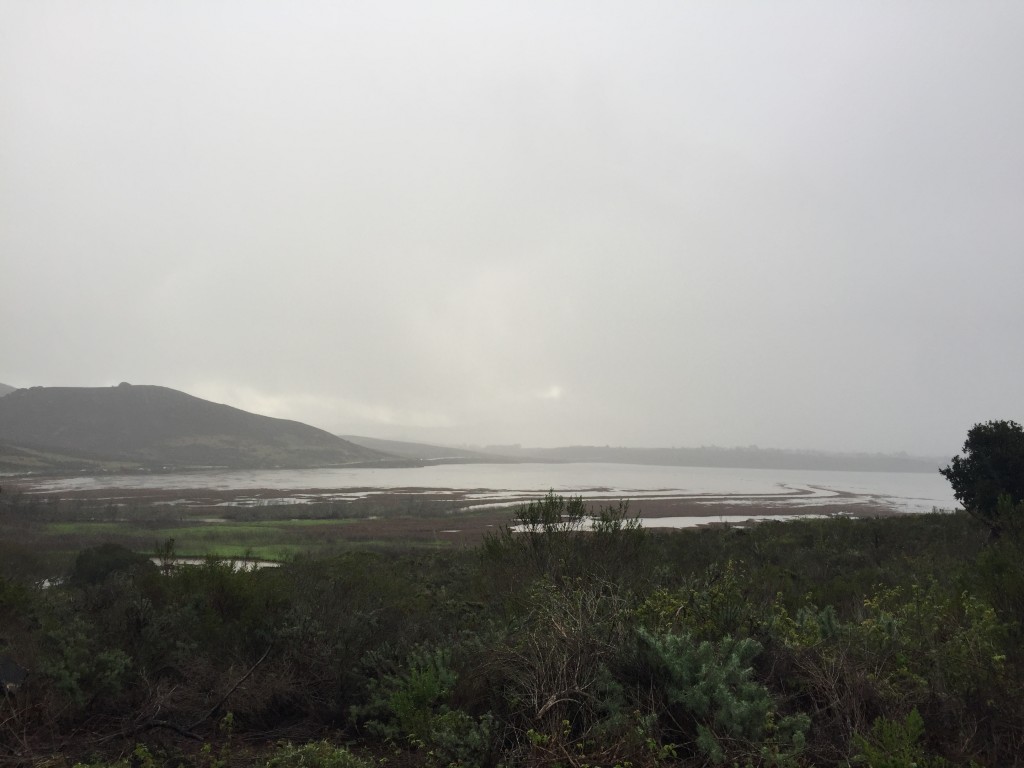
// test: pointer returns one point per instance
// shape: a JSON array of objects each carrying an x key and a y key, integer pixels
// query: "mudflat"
[{"x": 424, "y": 515}]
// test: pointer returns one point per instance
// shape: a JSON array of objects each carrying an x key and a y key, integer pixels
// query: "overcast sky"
[{"x": 790, "y": 224}]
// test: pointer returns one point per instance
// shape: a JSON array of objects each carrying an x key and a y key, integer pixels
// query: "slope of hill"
[
  {"x": 425, "y": 452},
  {"x": 156, "y": 427},
  {"x": 6, "y": 389}
]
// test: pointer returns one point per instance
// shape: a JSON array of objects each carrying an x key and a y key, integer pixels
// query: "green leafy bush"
[
  {"x": 896, "y": 744},
  {"x": 707, "y": 606},
  {"x": 713, "y": 700},
  {"x": 927, "y": 642},
  {"x": 412, "y": 706},
  {"x": 75, "y": 659},
  {"x": 316, "y": 754},
  {"x": 999, "y": 570},
  {"x": 95, "y": 564}
]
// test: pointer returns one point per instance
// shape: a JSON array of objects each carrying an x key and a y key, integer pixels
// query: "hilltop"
[{"x": 151, "y": 427}]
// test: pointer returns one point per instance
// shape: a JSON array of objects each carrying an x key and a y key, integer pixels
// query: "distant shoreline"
[{"x": 813, "y": 462}]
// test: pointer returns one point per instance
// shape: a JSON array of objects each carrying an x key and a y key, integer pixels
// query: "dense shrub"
[
  {"x": 95, "y": 564},
  {"x": 315, "y": 754},
  {"x": 806, "y": 643},
  {"x": 413, "y": 705},
  {"x": 712, "y": 700}
]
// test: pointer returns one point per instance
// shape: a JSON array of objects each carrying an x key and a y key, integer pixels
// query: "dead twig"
[{"x": 224, "y": 698}]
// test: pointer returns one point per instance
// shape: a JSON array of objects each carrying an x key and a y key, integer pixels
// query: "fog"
[{"x": 790, "y": 224}]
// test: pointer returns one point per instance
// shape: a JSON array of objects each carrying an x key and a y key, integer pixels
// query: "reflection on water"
[
  {"x": 694, "y": 521},
  {"x": 690, "y": 521},
  {"x": 237, "y": 565}
]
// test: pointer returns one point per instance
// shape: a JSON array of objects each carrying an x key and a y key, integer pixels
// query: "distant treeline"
[{"x": 750, "y": 457}]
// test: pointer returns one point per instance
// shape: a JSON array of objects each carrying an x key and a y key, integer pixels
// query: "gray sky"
[{"x": 792, "y": 224}]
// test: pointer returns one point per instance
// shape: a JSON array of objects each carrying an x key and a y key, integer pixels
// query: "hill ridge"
[{"x": 159, "y": 427}]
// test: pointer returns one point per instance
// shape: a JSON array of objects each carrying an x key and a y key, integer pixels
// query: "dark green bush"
[
  {"x": 315, "y": 754},
  {"x": 412, "y": 705},
  {"x": 712, "y": 699},
  {"x": 95, "y": 564}
]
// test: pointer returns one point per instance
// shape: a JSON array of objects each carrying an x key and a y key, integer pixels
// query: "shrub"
[
  {"x": 558, "y": 676},
  {"x": 412, "y": 706},
  {"x": 999, "y": 570},
  {"x": 895, "y": 744},
  {"x": 95, "y": 564},
  {"x": 708, "y": 606},
  {"x": 712, "y": 699},
  {"x": 316, "y": 754},
  {"x": 559, "y": 539}
]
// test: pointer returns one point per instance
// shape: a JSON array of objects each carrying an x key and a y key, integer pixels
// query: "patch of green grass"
[
  {"x": 310, "y": 522},
  {"x": 85, "y": 528},
  {"x": 218, "y": 531},
  {"x": 395, "y": 543},
  {"x": 278, "y": 534},
  {"x": 270, "y": 539},
  {"x": 259, "y": 529}
]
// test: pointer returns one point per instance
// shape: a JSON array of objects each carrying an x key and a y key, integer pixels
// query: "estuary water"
[{"x": 909, "y": 492}]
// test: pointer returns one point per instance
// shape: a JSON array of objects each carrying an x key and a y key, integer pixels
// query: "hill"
[
  {"x": 427, "y": 453},
  {"x": 750, "y": 457},
  {"x": 6, "y": 389},
  {"x": 156, "y": 428}
]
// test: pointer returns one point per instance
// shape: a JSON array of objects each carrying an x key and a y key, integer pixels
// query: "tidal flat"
[{"x": 279, "y": 514}]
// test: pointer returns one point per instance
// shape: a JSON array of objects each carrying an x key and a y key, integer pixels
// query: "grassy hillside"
[{"x": 155, "y": 427}]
